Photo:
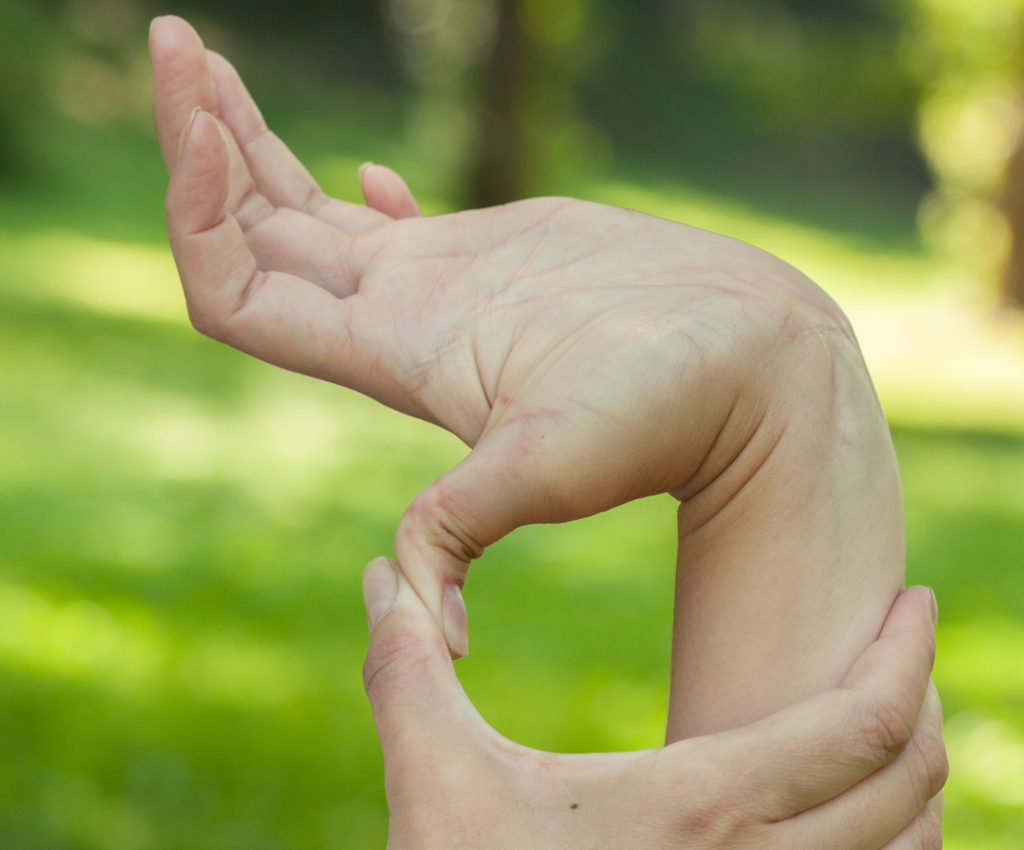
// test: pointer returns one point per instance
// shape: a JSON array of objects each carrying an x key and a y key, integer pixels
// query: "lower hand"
[{"x": 860, "y": 766}]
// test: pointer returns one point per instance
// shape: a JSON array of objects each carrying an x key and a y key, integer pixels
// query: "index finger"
[{"x": 181, "y": 81}]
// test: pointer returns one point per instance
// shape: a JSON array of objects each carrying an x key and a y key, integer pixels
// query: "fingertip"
[
  {"x": 155, "y": 26},
  {"x": 166, "y": 30},
  {"x": 919, "y": 616},
  {"x": 386, "y": 588},
  {"x": 419, "y": 707},
  {"x": 911, "y": 603},
  {"x": 181, "y": 79},
  {"x": 456, "y": 627},
  {"x": 924, "y": 598},
  {"x": 216, "y": 62},
  {"x": 899, "y": 663},
  {"x": 385, "y": 191},
  {"x": 404, "y": 638},
  {"x": 221, "y": 69}
]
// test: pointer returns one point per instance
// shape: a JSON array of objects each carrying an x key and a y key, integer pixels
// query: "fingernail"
[
  {"x": 935, "y": 608},
  {"x": 363, "y": 168},
  {"x": 188, "y": 128},
  {"x": 453, "y": 611},
  {"x": 380, "y": 589}
]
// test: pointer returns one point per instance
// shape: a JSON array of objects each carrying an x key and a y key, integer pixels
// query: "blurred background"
[{"x": 182, "y": 529}]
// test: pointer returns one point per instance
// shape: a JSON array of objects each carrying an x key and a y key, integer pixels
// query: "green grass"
[{"x": 182, "y": 531}]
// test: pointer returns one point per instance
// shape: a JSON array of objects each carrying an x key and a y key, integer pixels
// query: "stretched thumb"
[{"x": 418, "y": 705}]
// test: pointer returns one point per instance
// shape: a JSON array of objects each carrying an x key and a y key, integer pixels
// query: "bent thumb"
[
  {"x": 495, "y": 489},
  {"x": 416, "y": 698}
]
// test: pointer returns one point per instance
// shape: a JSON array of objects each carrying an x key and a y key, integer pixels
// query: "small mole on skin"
[{"x": 574, "y": 806}]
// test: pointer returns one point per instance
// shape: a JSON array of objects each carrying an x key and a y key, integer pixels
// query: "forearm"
[{"x": 790, "y": 558}]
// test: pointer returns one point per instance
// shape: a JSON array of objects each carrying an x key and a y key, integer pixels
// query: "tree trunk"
[
  {"x": 1012, "y": 205},
  {"x": 499, "y": 172}
]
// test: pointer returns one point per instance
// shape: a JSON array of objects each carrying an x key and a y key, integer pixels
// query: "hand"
[
  {"x": 860, "y": 766},
  {"x": 589, "y": 355}
]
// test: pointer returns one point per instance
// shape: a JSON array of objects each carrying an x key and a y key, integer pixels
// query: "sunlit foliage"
[{"x": 969, "y": 56}]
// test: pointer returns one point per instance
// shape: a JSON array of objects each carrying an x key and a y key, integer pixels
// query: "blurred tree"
[
  {"x": 498, "y": 84},
  {"x": 761, "y": 96},
  {"x": 499, "y": 171},
  {"x": 969, "y": 57},
  {"x": 1011, "y": 205},
  {"x": 509, "y": 96},
  {"x": 344, "y": 43},
  {"x": 83, "y": 61},
  {"x": 101, "y": 73},
  {"x": 27, "y": 46},
  {"x": 444, "y": 45}
]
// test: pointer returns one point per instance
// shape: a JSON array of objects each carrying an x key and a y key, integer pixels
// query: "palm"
[{"x": 474, "y": 320}]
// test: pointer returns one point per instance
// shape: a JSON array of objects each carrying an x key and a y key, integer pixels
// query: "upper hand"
[
  {"x": 860, "y": 766},
  {"x": 589, "y": 354}
]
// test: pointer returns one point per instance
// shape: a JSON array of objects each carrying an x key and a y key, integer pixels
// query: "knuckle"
[
  {"x": 205, "y": 310},
  {"x": 929, "y": 831},
  {"x": 437, "y": 516},
  {"x": 932, "y": 836},
  {"x": 933, "y": 747},
  {"x": 718, "y": 826},
  {"x": 929, "y": 767},
  {"x": 698, "y": 816},
  {"x": 201, "y": 319},
  {"x": 394, "y": 657},
  {"x": 218, "y": 311},
  {"x": 700, "y": 826},
  {"x": 926, "y": 769},
  {"x": 936, "y": 762},
  {"x": 710, "y": 811},
  {"x": 885, "y": 730}
]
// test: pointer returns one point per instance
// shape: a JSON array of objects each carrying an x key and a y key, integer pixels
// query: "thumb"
[
  {"x": 497, "y": 487},
  {"x": 213, "y": 259},
  {"x": 419, "y": 707}
]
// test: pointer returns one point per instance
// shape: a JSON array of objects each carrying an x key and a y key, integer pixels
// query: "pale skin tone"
[
  {"x": 588, "y": 355},
  {"x": 821, "y": 774}
]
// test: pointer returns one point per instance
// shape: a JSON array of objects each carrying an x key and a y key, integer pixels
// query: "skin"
[
  {"x": 849, "y": 768},
  {"x": 588, "y": 355}
]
